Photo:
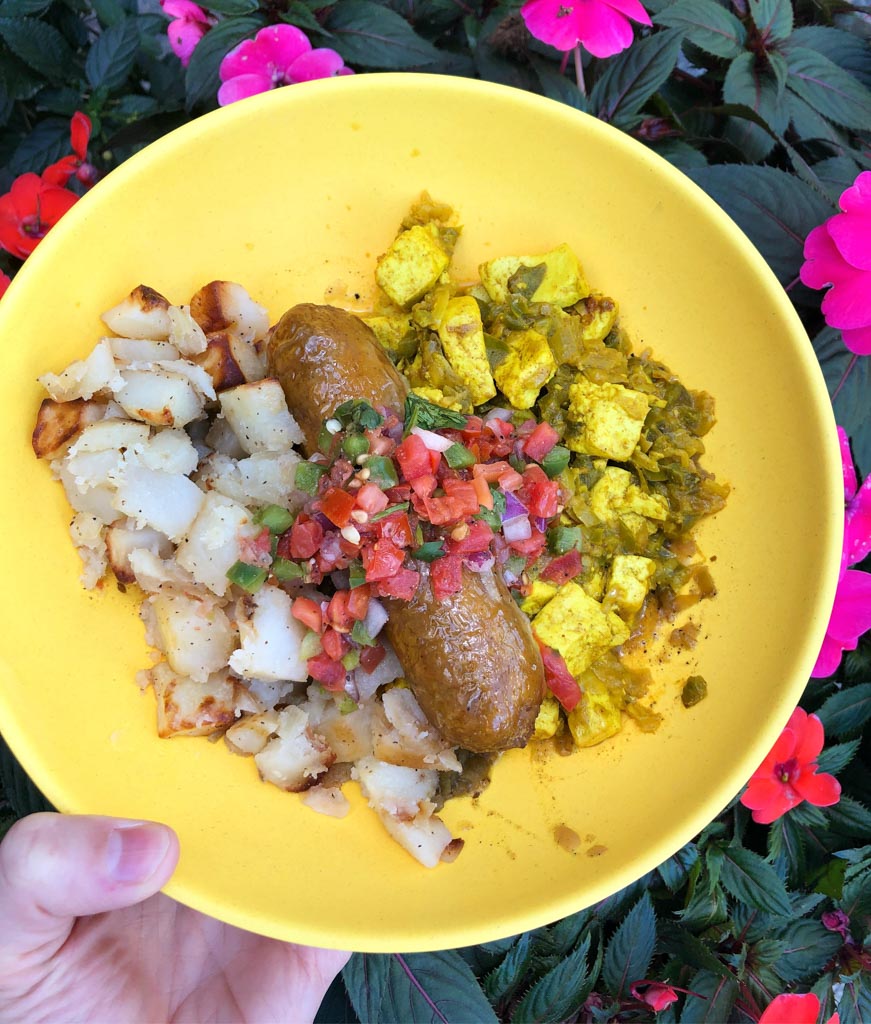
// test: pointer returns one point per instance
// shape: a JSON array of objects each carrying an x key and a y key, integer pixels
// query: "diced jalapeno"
[
  {"x": 307, "y": 476},
  {"x": 274, "y": 517},
  {"x": 555, "y": 461},
  {"x": 248, "y": 577}
]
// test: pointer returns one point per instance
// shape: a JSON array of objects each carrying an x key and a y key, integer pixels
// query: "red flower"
[
  {"x": 788, "y": 776},
  {"x": 76, "y": 164},
  {"x": 656, "y": 995},
  {"x": 795, "y": 1009},
  {"x": 28, "y": 210},
  {"x": 4, "y": 283}
]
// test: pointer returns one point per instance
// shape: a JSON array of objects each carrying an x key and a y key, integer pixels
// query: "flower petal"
[
  {"x": 80, "y": 134},
  {"x": 821, "y": 790},
  {"x": 857, "y": 198},
  {"x": 59, "y": 173},
  {"x": 54, "y": 203},
  {"x": 320, "y": 63},
  {"x": 858, "y": 340},
  {"x": 810, "y": 741},
  {"x": 243, "y": 86},
  {"x": 184, "y": 9},
  {"x": 850, "y": 481},
  {"x": 632, "y": 9},
  {"x": 851, "y": 616},
  {"x": 848, "y": 302},
  {"x": 761, "y": 793},
  {"x": 281, "y": 45},
  {"x": 851, "y": 233},
  {"x": 857, "y": 525},
  {"x": 552, "y": 22},
  {"x": 602, "y": 30},
  {"x": 784, "y": 801},
  {"x": 792, "y": 1009},
  {"x": 828, "y": 659},
  {"x": 183, "y": 37},
  {"x": 823, "y": 262}
]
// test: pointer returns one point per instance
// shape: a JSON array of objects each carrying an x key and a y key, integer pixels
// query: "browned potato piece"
[
  {"x": 59, "y": 422},
  {"x": 220, "y": 361},
  {"x": 324, "y": 357},
  {"x": 471, "y": 661}
]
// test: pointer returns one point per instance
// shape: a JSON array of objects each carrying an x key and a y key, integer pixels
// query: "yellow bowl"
[{"x": 295, "y": 194}]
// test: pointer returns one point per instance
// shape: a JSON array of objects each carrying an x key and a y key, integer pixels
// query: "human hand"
[{"x": 85, "y": 935}]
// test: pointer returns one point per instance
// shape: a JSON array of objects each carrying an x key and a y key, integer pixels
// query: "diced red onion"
[
  {"x": 518, "y": 528},
  {"x": 330, "y": 549},
  {"x": 480, "y": 561},
  {"x": 540, "y": 523},
  {"x": 498, "y": 414},
  {"x": 435, "y": 442},
  {"x": 376, "y": 616},
  {"x": 513, "y": 507}
]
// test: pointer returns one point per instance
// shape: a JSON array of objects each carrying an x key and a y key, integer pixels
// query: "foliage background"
[{"x": 767, "y": 107}]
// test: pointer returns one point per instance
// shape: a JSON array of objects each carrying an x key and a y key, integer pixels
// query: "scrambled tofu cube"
[
  {"x": 629, "y": 582},
  {"x": 593, "y": 582},
  {"x": 577, "y": 626},
  {"x": 539, "y": 594},
  {"x": 615, "y": 496},
  {"x": 437, "y": 397},
  {"x": 599, "y": 317},
  {"x": 610, "y": 417},
  {"x": 528, "y": 366},
  {"x": 389, "y": 329},
  {"x": 595, "y": 718},
  {"x": 462, "y": 336},
  {"x": 562, "y": 284},
  {"x": 547, "y": 720},
  {"x": 412, "y": 265}
]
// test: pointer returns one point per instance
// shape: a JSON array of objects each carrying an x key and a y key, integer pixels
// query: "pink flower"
[
  {"x": 851, "y": 614},
  {"x": 656, "y": 995},
  {"x": 5, "y": 281},
  {"x": 838, "y": 253},
  {"x": 836, "y": 921},
  {"x": 795, "y": 1009},
  {"x": 788, "y": 776},
  {"x": 189, "y": 26},
  {"x": 277, "y": 55},
  {"x": 600, "y": 26}
]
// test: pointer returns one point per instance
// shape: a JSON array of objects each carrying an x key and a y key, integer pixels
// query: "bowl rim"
[{"x": 564, "y": 902}]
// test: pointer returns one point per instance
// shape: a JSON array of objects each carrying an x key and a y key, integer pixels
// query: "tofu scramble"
[{"x": 534, "y": 450}]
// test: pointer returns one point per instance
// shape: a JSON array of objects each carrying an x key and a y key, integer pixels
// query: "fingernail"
[{"x": 135, "y": 851}]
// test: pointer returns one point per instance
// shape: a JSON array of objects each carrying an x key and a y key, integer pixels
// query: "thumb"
[{"x": 55, "y": 868}]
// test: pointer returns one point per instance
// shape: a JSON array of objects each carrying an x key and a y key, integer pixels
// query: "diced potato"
[
  {"x": 595, "y": 718},
  {"x": 185, "y": 333},
  {"x": 401, "y": 792},
  {"x": 259, "y": 417},
  {"x": 111, "y": 434},
  {"x": 577, "y": 626},
  {"x": 293, "y": 759},
  {"x": 166, "y": 502},
  {"x": 143, "y": 314},
  {"x": 329, "y": 800},
  {"x": 57, "y": 423},
  {"x": 403, "y": 736},
  {"x": 615, "y": 495},
  {"x": 189, "y": 708},
  {"x": 85, "y": 377},
  {"x": 229, "y": 361},
  {"x": 221, "y": 439},
  {"x": 171, "y": 451},
  {"x": 268, "y": 478},
  {"x": 562, "y": 283},
  {"x": 122, "y": 539},
  {"x": 251, "y": 733},
  {"x": 88, "y": 534},
  {"x": 156, "y": 575},
  {"x": 98, "y": 501},
  {"x": 94, "y": 469},
  {"x": 629, "y": 583},
  {"x": 141, "y": 350},
  {"x": 611, "y": 418},
  {"x": 213, "y": 542},
  {"x": 461, "y": 333},
  {"x": 195, "y": 375},
  {"x": 426, "y": 837},
  {"x": 539, "y": 594},
  {"x": 412, "y": 265},
  {"x": 227, "y": 306},
  {"x": 271, "y": 638},
  {"x": 196, "y": 636},
  {"x": 528, "y": 366},
  {"x": 386, "y": 671},
  {"x": 155, "y": 396},
  {"x": 350, "y": 735},
  {"x": 547, "y": 720}
]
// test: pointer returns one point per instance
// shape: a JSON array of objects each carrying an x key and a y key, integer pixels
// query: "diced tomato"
[
  {"x": 447, "y": 576},
  {"x": 257, "y": 550},
  {"x": 338, "y": 613},
  {"x": 561, "y": 683},
  {"x": 382, "y": 560},
  {"x": 398, "y": 494},
  {"x": 482, "y": 491},
  {"x": 478, "y": 538},
  {"x": 443, "y": 510},
  {"x": 378, "y": 443},
  {"x": 304, "y": 541},
  {"x": 540, "y": 442},
  {"x": 371, "y": 499},
  {"x": 541, "y": 492},
  {"x": 398, "y": 529},
  {"x": 413, "y": 458},
  {"x": 334, "y": 644},
  {"x": 348, "y": 549},
  {"x": 472, "y": 430},
  {"x": 403, "y": 585},
  {"x": 435, "y": 459},
  {"x": 308, "y": 613},
  {"x": 371, "y": 657},
  {"x": 532, "y": 547},
  {"x": 510, "y": 480},
  {"x": 561, "y": 570},
  {"x": 329, "y": 673},
  {"x": 463, "y": 492},
  {"x": 423, "y": 486},
  {"x": 501, "y": 449},
  {"x": 501, "y": 428},
  {"x": 337, "y": 506},
  {"x": 358, "y": 601},
  {"x": 489, "y": 470}
]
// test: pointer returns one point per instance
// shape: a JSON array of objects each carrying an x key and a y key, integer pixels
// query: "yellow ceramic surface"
[{"x": 295, "y": 194}]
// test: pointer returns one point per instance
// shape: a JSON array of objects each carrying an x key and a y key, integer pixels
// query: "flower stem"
[
  {"x": 845, "y": 375},
  {"x": 579, "y": 71}
]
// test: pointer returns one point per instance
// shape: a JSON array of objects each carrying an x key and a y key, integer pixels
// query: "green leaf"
[
  {"x": 563, "y": 935},
  {"x": 630, "y": 949},
  {"x": 17, "y": 80},
  {"x": 109, "y": 12},
  {"x": 773, "y": 18},
  {"x": 424, "y": 987},
  {"x": 21, "y": 793},
  {"x": 680, "y": 153},
  {"x": 230, "y": 7},
  {"x": 681, "y": 944},
  {"x": 847, "y": 710},
  {"x": 201, "y": 79},
  {"x": 808, "y": 946},
  {"x": 854, "y": 1006},
  {"x": 754, "y": 86},
  {"x": 560, "y": 993},
  {"x": 21, "y": 8},
  {"x": 675, "y": 871},
  {"x": 48, "y": 142},
  {"x": 834, "y": 759},
  {"x": 299, "y": 14},
  {"x": 748, "y": 878},
  {"x": 632, "y": 77},
  {"x": 855, "y": 898},
  {"x": 110, "y": 60},
  {"x": 712, "y": 1000},
  {"x": 60, "y": 100},
  {"x": 335, "y": 1007},
  {"x": 558, "y": 87},
  {"x": 707, "y": 25},
  {"x": 828, "y": 89},
  {"x": 501, "y": 983},
  {"x": 853, "y": 412},
  {"x": 849, "y": 817},
  {"x": 845, "y": 49},
  {"x": 370, "y": 35},
  {"x": 837, "y": 173},
  {"x": 774, "y": 209},
  {"x": 39, "y": 45}
]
